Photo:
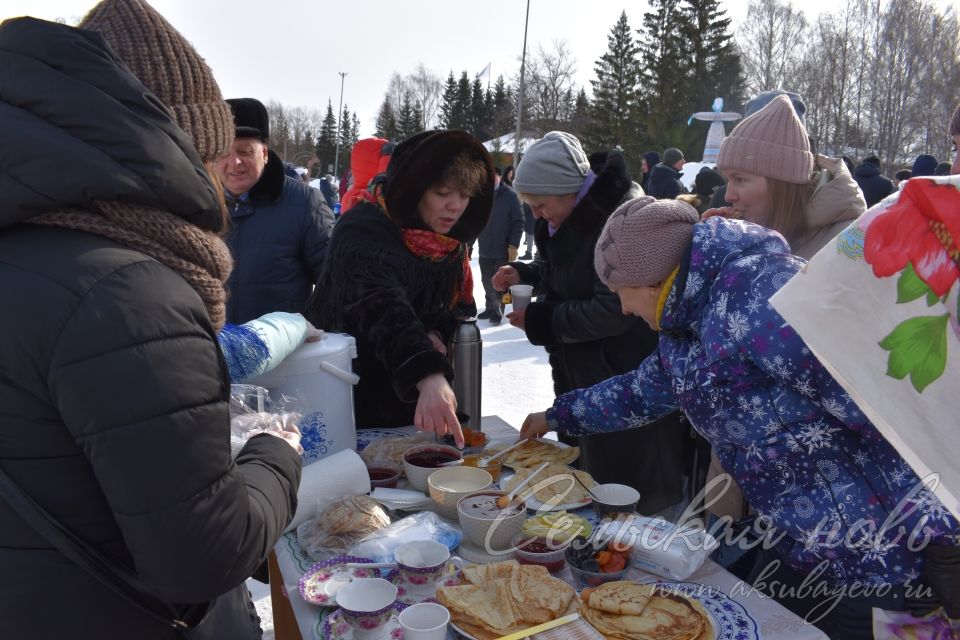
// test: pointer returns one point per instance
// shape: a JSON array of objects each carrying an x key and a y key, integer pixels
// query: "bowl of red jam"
[
  {"x": 383, "y": 473},
  {"x": 541, "y": 551},
  {"x": 420, "y": 461}
]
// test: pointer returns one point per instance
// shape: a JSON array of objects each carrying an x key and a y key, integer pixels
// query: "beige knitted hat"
[
  {"x": 770, "y": 143},
  {"x": 170, "y": 67},
  {"x": 643, "y": 242}
]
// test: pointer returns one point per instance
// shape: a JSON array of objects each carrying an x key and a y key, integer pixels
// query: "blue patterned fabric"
[
  {"x": 244, "y": 351},
  {"x": 256, "y": 347},
  {"x": 800, "y": 449}
]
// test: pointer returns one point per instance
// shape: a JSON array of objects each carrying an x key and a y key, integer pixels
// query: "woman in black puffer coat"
[
  {"x": 114, "y": 393},
  {"x": 579, "y": 320},
  {"x": 397, "y": 277}
]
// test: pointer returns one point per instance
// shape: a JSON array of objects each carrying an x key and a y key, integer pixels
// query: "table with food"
[{"x": 500, "y": 540}]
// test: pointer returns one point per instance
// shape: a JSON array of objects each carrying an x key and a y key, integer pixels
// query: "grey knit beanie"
[
  {"x": 643, "y": 242},
  {"x": 553, "y": 165},
  {"x": 672, "y": 156},
  {"x": 770, "y": 143}
]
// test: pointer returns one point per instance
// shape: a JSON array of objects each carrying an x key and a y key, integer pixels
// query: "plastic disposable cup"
[
  {"x": 425, "y": 621},
  {"x": 521, "y": 294}
]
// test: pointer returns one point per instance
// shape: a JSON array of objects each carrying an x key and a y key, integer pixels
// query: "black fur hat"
[
  {"x": 250, "y": 118},
  {"x": 418, "y": 162}
]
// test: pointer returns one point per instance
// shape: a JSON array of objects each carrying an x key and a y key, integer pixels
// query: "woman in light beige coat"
[{"x": 774, "y": 180}]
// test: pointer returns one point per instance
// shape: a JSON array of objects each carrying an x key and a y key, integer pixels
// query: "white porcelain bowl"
[
  {"x": 448, "y": 485},
  {"x": 417, "y": 475}
]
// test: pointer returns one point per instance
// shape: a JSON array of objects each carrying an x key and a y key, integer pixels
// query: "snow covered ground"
[{"x": 516, "y": 381}]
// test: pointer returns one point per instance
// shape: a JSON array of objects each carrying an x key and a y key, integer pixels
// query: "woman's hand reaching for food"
[
  {"x": 437, "y": 408},
  {"x": 534, "y": 426}
]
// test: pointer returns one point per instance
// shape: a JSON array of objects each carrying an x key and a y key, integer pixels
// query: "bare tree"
[
  {"x": 550, "y": 85},
  {"x": 396, "y": 90},
  {"x": 902, "y": 57},
  {"x": 426, "y": 88},
  {"x": 771, "y": 43}
]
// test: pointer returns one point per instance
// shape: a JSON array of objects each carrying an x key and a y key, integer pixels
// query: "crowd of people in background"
[{"x": 141, "y": 279}]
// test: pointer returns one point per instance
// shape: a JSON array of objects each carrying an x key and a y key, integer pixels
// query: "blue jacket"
[
  {"x": 800, "y": 449},
  {"x": 505, "y": 225},
  {"x": 278, "y": 238},
  {"x": 874, "y": 186},
  {"x": 664, "y": 182}
]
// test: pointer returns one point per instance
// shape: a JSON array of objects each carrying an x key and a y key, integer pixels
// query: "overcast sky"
[{"x": 292, "y": 51}]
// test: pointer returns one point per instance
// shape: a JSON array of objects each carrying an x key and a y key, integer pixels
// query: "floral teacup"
[
  {"x": 423, "y": 563},
  {"x": 367, "y": 604}
]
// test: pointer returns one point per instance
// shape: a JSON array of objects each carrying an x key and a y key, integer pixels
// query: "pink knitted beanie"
[
  {"x": 643, "y": 242},
  {"x": 770, "y": 143}
]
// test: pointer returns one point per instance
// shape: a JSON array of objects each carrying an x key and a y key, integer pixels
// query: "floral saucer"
[
  {"x": 408, "y": 594},
  {"x": 319, "y": 585},
  {"x": 336, "y": 627}
]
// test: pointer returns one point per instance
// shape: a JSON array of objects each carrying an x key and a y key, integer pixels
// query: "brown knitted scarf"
[{"x": 199, "y": 256}]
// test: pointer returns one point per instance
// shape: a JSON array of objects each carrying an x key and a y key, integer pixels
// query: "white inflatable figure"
[{"x": 716, "y": 134}]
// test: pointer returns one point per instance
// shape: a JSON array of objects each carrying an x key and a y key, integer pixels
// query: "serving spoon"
[{"x": 504, "y": 501}]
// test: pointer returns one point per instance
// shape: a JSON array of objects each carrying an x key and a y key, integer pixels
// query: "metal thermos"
[{"x": 466, "y": 356}]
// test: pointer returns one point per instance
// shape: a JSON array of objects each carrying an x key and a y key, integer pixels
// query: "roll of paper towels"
[{"x": 341, "y": 474}]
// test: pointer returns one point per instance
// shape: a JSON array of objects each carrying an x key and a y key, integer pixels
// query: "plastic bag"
[
  {"x": 339, "y": 524},
  {"x": 253, "y": 411},
  {"x": 660, "y": 547},
  {"x": 426, "y": 525}
]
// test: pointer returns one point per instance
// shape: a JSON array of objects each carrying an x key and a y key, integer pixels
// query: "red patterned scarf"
[{"x": 436, "y": 247}]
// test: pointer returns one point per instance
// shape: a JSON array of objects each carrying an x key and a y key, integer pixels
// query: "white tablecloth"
[{"x": 772, "y": 620}]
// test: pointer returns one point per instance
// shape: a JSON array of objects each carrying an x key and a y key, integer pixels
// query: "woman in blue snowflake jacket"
[{"x": 842, "y": 501}]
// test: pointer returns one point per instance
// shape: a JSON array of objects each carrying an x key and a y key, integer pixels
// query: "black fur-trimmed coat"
[
  {"x": 376, "y": 290},
  {"x": 580, "y": 323}
]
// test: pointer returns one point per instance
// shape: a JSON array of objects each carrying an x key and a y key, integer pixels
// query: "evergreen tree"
[
  {"x": 666, "y": 75},
  {"x": 346, "y": 139},
  {"x": 327, "y": 139},
  {"x": 714, "y": 65},
  {"x": 406, "y": 122},
  {"x": 581, "y": 122},
  {"x": 479, "y": 118},
  {"x": 616, "y": 92},
  {"x": 504, "y": 108},
  {"x": 418, "y": 118},
  {"x": 387, "y": 121},
  {"x": 354, "y": 130},
  {"x": 448, "y": 102},
  {"x": 461, "y": 110}
]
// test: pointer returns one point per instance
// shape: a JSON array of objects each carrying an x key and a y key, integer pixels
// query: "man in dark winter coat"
[
  {"x": 498, "y": 244},
  {"x": 279, "y": 228},
  {"x": 875, "y": 187},
  {"x": 577, "y": 319},
  {"x": 664, "y": 181},
  {"x": 114, "y": 393},
  {"x": 329, "y": 191}
]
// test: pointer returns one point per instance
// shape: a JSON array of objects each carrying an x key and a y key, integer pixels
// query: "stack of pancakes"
[
  {"x": 504, "y": 597},
  {"x": 633, "y": 611},
  {"x": 533, "y": 453}
]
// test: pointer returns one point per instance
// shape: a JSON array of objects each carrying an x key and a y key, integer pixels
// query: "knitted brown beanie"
[
  {"x": 170, "y": 67},
  {"x": 643, "y": 242},
  {"x": 770, "y": 143},
  {"x": 955, "y": 122}
]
